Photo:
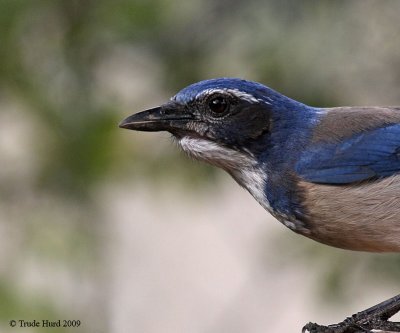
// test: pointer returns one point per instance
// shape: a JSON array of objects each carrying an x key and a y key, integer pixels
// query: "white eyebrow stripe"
[{"x": 235, "y": 92}]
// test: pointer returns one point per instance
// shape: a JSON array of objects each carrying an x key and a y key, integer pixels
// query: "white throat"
[{"x": 242, "y": 167}]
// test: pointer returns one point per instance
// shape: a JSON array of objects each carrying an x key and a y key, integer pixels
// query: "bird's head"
[
  {"x": 249, "y": 130},
  {"x": 219, "y": 121}
]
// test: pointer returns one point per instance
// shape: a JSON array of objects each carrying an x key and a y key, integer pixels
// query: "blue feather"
[{"x": 371, "y": 154}]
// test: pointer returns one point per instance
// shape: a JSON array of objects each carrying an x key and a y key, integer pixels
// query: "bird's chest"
[
  {"x": 275, "y": 199},
  {"x": 362, "y": 217}
]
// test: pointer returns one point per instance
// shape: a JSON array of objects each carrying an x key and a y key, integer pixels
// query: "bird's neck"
[
  {"x": 264, "y": 166},
  {"x": 216, "y": 154},
  {"x": 244, "y": 168},
  {"x": 280, "y": 201},
  {"x": 254, "y": 180}
]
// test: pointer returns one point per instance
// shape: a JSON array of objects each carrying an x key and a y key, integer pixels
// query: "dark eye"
[{"x": 218, "y": 105}]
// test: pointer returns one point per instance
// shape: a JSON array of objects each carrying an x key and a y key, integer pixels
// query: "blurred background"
[{"x": 119, "y": 229}]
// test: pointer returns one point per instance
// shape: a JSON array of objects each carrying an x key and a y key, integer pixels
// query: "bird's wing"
[{"x": 372, "y": 153}]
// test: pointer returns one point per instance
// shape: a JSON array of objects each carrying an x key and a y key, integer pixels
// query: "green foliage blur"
[{"x": 70, "y": 70}]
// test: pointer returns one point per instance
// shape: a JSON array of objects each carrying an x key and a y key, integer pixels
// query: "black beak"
[{"x": 168, "y": 117}]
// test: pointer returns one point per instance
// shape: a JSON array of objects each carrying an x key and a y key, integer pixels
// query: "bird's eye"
[{"x": 218, "y": 105}]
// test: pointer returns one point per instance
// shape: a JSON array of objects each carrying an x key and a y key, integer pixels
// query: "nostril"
[
  {"x": 168, "y": 111},
  {"x": 174, "y": 112}
]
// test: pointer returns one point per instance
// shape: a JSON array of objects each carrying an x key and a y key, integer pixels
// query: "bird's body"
[{"x": 331, "y": 174}]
